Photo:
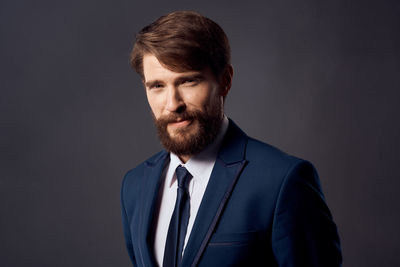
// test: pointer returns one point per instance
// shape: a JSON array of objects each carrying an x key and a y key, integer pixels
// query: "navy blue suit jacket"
[{"x": 261, "y": 207}]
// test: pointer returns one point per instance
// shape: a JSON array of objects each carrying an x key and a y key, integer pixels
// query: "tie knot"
[{"x": 183, "y": 177}]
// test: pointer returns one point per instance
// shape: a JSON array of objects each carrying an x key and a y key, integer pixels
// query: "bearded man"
[{"x": 214, "y": 196}]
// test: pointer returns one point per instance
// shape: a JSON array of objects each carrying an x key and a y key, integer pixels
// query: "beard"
[{"x": 193, "y": 138}]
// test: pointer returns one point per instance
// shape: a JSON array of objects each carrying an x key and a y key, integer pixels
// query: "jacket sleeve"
[
  {"x": 126, "y": 226},
  {"x": 303, "y": 232}
]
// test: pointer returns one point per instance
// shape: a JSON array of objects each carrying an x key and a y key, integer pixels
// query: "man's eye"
[
  {"x": 156, "y": 86},
  {"x": 190, "y": 81}
]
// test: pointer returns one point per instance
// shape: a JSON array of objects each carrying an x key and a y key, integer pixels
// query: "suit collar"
[
  {"x": 234, "y": 145},
  {"x": 157, "y": 159}
]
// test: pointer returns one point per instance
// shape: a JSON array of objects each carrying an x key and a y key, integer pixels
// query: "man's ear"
[{"x": 226, "y": 80}]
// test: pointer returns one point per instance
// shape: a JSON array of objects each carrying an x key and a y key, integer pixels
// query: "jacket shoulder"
[
  {"x": 260, "y": 152},
  {"x": 266, "y": 160}
]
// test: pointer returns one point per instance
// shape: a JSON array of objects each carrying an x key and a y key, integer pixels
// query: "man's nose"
[{"x": 175, "y": 102}]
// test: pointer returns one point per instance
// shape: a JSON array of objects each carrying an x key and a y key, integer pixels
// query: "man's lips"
[{"x": 178, "y": 124}]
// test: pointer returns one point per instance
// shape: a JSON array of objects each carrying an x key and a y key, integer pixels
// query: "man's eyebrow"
[
  {"x": 151, "y": 83},
  {"x": 194, "y": 76}
]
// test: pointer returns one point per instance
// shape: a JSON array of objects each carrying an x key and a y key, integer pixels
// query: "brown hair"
[{"x": 183, "y": 41}]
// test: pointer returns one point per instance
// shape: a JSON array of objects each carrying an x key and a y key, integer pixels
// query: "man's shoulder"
[
  {"x": 259, "y": 153},
  {"x": 257, "y": 148},
  {"x": 268, "y": 166},
  {"x": 266, "y": 156}
]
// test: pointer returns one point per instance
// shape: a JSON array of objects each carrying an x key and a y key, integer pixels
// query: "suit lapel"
[
  {"x": 227, "y": 168},
  {"x": 149, "y": 198}
]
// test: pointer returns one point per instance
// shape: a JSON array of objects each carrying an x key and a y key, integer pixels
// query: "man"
[{"x": 215, "y": 197}]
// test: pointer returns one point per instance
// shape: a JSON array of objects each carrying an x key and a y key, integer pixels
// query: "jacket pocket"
[
  {"x": 237, "y": 249},
  {"x": 230, "y": 239}
]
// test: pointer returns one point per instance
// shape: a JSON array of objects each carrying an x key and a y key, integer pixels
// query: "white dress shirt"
[{"x": 200, "y": 167}]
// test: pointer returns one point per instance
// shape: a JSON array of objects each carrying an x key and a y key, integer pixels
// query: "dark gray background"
[{"x": 319, "y": 79}]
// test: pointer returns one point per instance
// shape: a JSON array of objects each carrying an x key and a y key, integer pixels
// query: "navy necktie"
[{"x": 179, "y": 221}]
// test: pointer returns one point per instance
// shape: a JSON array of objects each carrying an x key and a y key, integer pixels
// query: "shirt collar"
[{"x": 198, "y": 164}]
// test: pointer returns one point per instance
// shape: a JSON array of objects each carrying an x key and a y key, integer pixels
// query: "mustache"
[{"x": 186, "y": 115}]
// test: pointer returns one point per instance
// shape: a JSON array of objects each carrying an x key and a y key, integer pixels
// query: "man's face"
[{"x": 187, "y": 106}]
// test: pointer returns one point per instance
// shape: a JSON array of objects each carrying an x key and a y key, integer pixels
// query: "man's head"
[{"x": 184, "y": 61}]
